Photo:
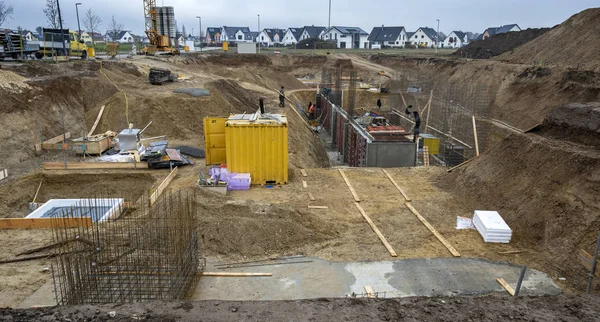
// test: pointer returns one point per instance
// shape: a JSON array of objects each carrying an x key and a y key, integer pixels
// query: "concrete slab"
[{"x": 403, "y": 278}]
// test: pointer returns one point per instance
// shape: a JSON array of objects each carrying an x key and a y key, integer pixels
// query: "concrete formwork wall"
[{"x": 391, "y": 154}]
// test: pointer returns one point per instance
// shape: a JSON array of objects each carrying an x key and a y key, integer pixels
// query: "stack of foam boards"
[{"x": 492, "y": 227}]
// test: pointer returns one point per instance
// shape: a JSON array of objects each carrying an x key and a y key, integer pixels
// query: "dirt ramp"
[{"x": 573, "y": 43}]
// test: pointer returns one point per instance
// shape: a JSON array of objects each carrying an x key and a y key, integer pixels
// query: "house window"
[
  {"x": 239, "y": 37},
  {"x": 397, "y": 43},
  {"x": 422, "y": 36},
  {"x": 262, "y": 38}
]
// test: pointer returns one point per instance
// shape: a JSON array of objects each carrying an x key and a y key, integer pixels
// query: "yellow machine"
[
  {"x": 158, "y": 44},
  {"x": 51, "y": 45}
]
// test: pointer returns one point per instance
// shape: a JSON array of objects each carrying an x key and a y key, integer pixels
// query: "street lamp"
[
  {"x": 200, "y": 26},
  {"x": 258, "y": 34},
  {"x": 78, "y": 25},
  {"x": 437, "y": 37}
]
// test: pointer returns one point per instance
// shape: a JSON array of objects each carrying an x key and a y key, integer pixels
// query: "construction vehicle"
[
  {"x": 159, "y": 44},
  {"x": 58, "y": 42},
  {"x": 14, "y": 46}
]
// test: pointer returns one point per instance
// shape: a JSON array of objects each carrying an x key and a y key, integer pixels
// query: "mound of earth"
[
  {"x": 579, "y": 123},
  {"x": 499, "y": 44},
  {"x": 573, "y": 43}
]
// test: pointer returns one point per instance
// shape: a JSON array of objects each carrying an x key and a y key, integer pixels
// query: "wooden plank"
[
  {"x": 426, "y": 156},
  {"x": 231, "y": 274},
  {"x": 506, "y": 286},
  {"x": 304, "y": 174},
  {"x": 376, "y": 230},
  {"x": 39, "y": 223},
  {"x": 370, "y": 292},
  {"x": 3, "y": 174},
  {"x": 56, "y": 139},
  {"x": 475, "y": 136},
  {"x": 509, "y": 252},
  {"x": 396, "y": 185},
  {"x": 163, "y": 186},
  {"x": 37, "y": 191},
  {"x": 354, "y": 194},
  {"x": 318, "y": 207},
  {"x": 460, "y": 165},
  {"x": 585, "y": 259},
  {"x": 304, "y": 184},
  {"x": 97, "y": 121},
  {"x": 94, "y": 165},
  {"x": 311, "y": 197},
  {"x": 433, "y": 230}
]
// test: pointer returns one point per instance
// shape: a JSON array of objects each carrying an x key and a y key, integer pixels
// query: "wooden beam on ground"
[
  {"x": 226, "y": 274},
  {"x": 586, "y": 260},
  {"x": 163, "y": 186},
  {"x": 304, "y": 174},
  {"x": 370, "y": 292},
  {"x": 94, "y": 165},
  {"x": 39, "y": 223},
  {"x": 433, "y": 230},
  {"x": 97, "y": 121},
  {"x": 37, "y": 191},
  {"x": 311, "y": 197},
  {"x": 3, "y": 174},
  {"x": 506, "y": 286},
  {"x": 509, "y": 252},
  {"x": 396, "y": 185},
  {"x": 42, "y": 248},
  {"x": 460, "y": 165},
  {"x": 57, "y": 139},
  {"x": 318, "y": 207},
  {"x": 304, "y": 184},
  {"x": 354, "y": 194},
  {"x": 376, "y": 230}
]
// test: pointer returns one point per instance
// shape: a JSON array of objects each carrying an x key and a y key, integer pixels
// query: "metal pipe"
[
  {"x": 518, "y": 288},
  {"x": 593, "y": 270}
]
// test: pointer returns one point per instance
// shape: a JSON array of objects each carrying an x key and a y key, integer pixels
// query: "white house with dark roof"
[
  {"x": 292, "y": 36},
  {"x": 347, "y": 37},
  {"x": 424, "y": 37},
  {"x": 212, "y": 35},
  {"x": 388, "y": 37},
  {"x": 236, "y": 34},
  {"x": 455, "y": 39},
  {"x": 270, "y": 36},
  {"x": 500, "y": 30},
  {"x": 312, "y": 32}
]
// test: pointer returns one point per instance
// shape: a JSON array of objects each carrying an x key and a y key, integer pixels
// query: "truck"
[
  {"x": 15, "y": 47},
  {"x": 52, "y": 44}
]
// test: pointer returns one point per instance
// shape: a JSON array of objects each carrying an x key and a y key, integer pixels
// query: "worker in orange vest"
[{"x": 311, "y": 112}]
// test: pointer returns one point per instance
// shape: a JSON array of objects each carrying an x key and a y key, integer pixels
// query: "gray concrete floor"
[{"x": 414, "y": 277}]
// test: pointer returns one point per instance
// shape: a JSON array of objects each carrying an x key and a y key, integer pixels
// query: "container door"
[{"x": 214, "y": 137}]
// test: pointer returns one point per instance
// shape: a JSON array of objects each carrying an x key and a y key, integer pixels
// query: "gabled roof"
[
  {"x": 409, "y": 34},
  {"x": 314, "y": 32},
  {"x": 122, "y": 34},
  {"x": 231, "y": 31},
  {"x": 350, "y": 30},
  {"x": 500, "y": 30},
  {"x": 296, "y": 32},
  {"x": 211, "y": 31},
  {"x": 429, "y": 32},
  {"x": 253, "y": 35},
  {"x": 271, "y": 32},
  {"x": 385, "y": 33},
  {"x": 459, "y": 34}
]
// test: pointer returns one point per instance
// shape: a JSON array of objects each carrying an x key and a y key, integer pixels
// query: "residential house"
[
  {"x": 28, "y": 35},
  {"x": 388, "y": 37},
  {"x": 312, "y": 32},
  {"x": 347, "y": 37},
  {"x": 271, "y": 36},
  {"x": 456, "y": 39},
  {"x": 85, "y": 36},
  {"x": 424, "y": 37},
  {"x": 213, "y": 35},
  {"x": 236, "y": 34},
  {"x": 292, "y": 36},
  {"x": 96, "y": 36},
  {"x": 124, "y": 37},
  {"x": 499, "y": 30}
]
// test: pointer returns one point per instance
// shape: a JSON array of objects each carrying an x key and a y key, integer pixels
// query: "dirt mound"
[
  {"x": 238, "y": 60},
  {"x": 343, "y": 63},
  {"x": 498, "y": 44},
  {"x": 573, "y": 43},
  {"x": 579, "y": 123},
  {"x": 548, "y": 191}
]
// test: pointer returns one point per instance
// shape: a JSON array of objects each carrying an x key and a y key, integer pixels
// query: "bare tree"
[
  {"x": 114, "y": 29},
  {"x": 92, "y": 22},
  {"x": 6, "y": 12},
  {"x": 51, "y": 12},
  {"x": 39, "y": 30}
]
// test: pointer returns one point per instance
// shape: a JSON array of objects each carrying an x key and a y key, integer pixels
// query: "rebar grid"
[{"x": 147, "y": 254}]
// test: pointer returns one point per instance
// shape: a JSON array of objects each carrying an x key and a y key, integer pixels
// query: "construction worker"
[
  {"x": 281, "y": 97},
  {"x": 417, "y": 129},
  {"x": 311, "y": 112},
  {"x": 379, "y": 103}
]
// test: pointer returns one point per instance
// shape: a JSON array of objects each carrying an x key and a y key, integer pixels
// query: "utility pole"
[
  {"x": 78, "y": 25},
  {"x": 258, "y": 34},
  {"x": 329, "y": 23},
  {"x": 200, "y": 26},
  {"x": 61, "y": 29},
  {"x": 437, "y": 37}
]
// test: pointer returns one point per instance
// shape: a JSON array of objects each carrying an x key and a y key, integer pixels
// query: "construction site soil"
[
  {"x": 499, "y": 44},
  {"x": 545, "y": 186}
]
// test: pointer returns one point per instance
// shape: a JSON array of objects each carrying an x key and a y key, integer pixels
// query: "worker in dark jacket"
[
  {"x": 281, "y": 97},
  {"x": 379, "y": 103},
  {"x": 417, "y": 122}
]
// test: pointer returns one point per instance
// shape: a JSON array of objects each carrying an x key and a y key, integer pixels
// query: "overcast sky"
[{"x": 465, "y": 15}]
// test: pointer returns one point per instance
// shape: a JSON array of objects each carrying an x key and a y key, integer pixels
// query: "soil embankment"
[{"x": 499, "y": 44}]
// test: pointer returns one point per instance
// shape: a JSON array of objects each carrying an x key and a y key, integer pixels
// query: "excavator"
[{"x": 159, "y": 44}]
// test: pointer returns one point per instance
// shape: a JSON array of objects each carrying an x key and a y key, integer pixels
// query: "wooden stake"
[
  {"x": 318, "y": 207},
  {"x": 304, "y": 184},
  {"x": 376, "y": 230},
  {"x": 311, "y": 197},
  {"x": 433, "y": 230},
  {"x": 396, "y": 185},
  {"x": 426, "y": 156},
  {"x": 354, "y": 194},
  {"x": 304, "y": 174},
  {"x": 506, "y": 286},
  {"x": 428, "y": 111},
  {"x": 37, "y": 191},
  {"x": 97, "y": 121},
  {"x": 475, "y": 136}
]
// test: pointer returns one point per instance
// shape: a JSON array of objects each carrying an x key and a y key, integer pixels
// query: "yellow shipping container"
[
  {"x": 214, "y": 139},
  {"x": 258, "y": 145}
]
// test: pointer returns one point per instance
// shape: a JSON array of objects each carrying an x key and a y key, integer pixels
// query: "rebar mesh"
[{"x": 147, "y": 254}]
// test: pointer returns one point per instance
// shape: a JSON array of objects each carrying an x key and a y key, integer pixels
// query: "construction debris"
[
  {"x": 3, "y": 174},
  {"x": 159, "y": 76},
  {"x": 492, "y": 227}
]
